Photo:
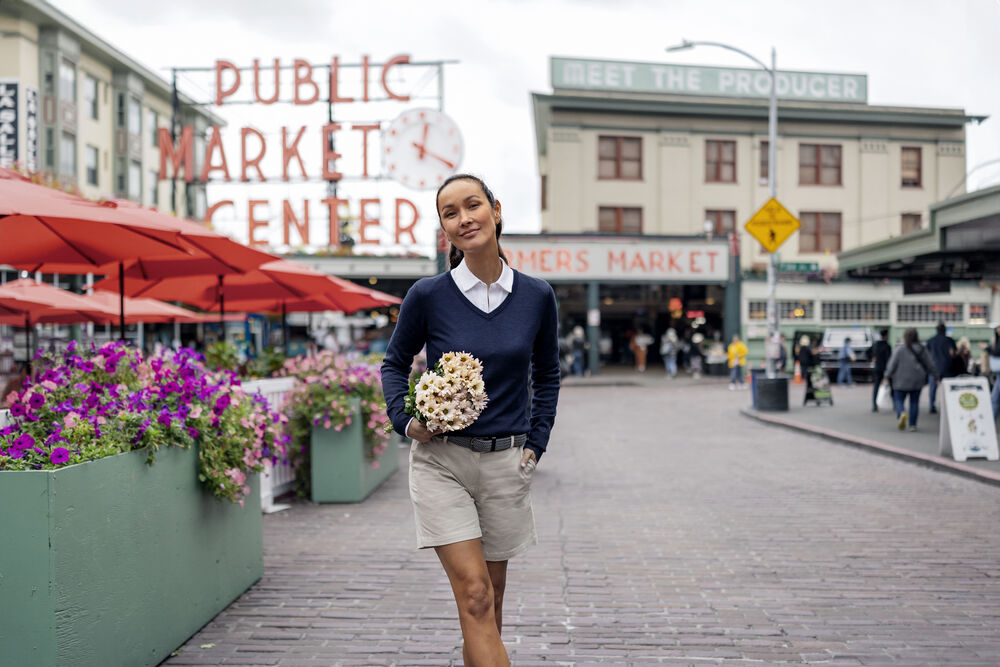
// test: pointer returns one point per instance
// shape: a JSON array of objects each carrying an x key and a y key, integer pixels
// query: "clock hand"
[
  {"x": 424, "y": 151},
  {"x": 423, "y": 140}
]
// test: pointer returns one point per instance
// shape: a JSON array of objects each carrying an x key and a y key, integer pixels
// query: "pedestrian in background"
[
  {"x": 844, "y": 359},
  {"x": 908, "y": 370},
  {"x": 737, "y": 353},
  {"x": 668, "y": 350},
  {"x": 993, "y": 353},
  {"x": 942, "y": 349},
  {"x": 695, "y": 356},
  {"x": 640, "y": 348},
  {"x": 881, "y": 351},
  {"x": 578, "y": 345},
  {"x": 782, "y": 361},
  {"x": 806, "y": 360}
]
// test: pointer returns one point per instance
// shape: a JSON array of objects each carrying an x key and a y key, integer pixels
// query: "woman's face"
[{"x": 466, "y": 216}]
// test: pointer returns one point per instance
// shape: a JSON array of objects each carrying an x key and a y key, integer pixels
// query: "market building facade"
[{"x": 630, "y": 150}]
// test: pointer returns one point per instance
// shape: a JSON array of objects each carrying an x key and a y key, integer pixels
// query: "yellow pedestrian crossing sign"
[{"x": 772, "y": 225}]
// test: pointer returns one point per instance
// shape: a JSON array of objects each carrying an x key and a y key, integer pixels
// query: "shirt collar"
[{"x": 466, "y": 279}]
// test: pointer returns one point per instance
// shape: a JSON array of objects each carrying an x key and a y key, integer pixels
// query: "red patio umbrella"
[
  {"x": 27, "y": 301},
  {"x": 143, "y": 310}
]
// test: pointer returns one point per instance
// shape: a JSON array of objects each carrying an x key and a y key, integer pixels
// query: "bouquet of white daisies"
[{"x": 451, "y": 396}]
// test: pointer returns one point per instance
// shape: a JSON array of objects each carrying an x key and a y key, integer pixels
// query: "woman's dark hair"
[
  {"x": 454, "y": 254},
  {"x": 910, "y": 336}
]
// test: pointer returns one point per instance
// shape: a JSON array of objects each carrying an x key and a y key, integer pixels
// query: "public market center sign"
[{"x": 642, "y": 77}]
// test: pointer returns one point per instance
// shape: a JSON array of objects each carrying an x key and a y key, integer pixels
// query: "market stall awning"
[{"x": 961, "y": 242}]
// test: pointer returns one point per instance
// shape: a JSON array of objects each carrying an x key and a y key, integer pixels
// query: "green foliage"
[{"x": 222, "y": 355}]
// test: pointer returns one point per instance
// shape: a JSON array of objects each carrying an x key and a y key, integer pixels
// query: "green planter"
[
  {"x": 113, "y": 562},
  {"x": 341, "y": 473}
]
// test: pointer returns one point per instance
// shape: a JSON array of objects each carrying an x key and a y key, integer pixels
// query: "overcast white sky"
[{"x": 915, "y": 52}]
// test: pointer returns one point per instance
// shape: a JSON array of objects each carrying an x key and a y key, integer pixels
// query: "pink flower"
[
  {"x": 195, "y": 412},
  {"x": 69, "y": 421},
  {"x": 374, "y": 465}
]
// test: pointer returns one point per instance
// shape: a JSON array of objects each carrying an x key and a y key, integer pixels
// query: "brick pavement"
[{"x": 672, "y": 530}]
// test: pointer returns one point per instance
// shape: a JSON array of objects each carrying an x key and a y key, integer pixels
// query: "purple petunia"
[
  {"x": 59, "y": 455},
  {"x": 24, "y": 441},
  {"x": 18, "y": 410},
  {"x": 164, "y": 418},
  {"x": 221, "y": 403},
  {"x": 192, "y": 431},
  {"x": 15, "y": 453},
  {"x": 36, "y": 401}
]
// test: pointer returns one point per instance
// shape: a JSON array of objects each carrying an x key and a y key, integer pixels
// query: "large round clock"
[{"x": 421, "y": 148}]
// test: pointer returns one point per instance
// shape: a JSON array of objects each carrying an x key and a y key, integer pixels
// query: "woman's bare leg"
[
  {"x": 498, "y": 577},
  {"x": 470, "y": 582}
]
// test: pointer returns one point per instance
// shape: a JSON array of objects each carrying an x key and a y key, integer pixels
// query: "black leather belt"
[{"x": 490, "y": 444}]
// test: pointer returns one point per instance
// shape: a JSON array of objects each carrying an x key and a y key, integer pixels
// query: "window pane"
[
  {"x": 910, "y": 222},
  {"x": 830, "y": 176},
  {"x": 711, "y": 171},
  {"x": 67, "y": 81},
  {"x": 631, "y": 221},
  {"x": 764, "y": 157},
  {"x": 728, "y": 221},
  {"x": 830, "y": 242},
  {"x": 606, "y": 168},
  {"x": 152, "y": 121},
  {"x": 90, "y": 96},
  {"x": 607, "y": 147},
  {"x": 67, "y": 155},
  {"x": 831, "y": 156},
  {"x": 630, "y": 169},
  {"x": 154, "y": 191},
  {"x": 728, "y": 173},
  {"x": 631, "y": 148},
  {"x": 807, "y": 232},
  {"x": 807, "y": 175},
  {"x": 607, "y": 220},
  {"x": 729, "y": 151},
  {"x": 134, "y": 118},
  {"x": 135, "y": 181},
  {"x": 91, "y": 157},
  {"x": 807, "y": 155},
  {"x": 910, "y": 167}
]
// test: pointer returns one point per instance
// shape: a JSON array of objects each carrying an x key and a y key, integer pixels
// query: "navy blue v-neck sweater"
[{"x": 517, "y": 343}]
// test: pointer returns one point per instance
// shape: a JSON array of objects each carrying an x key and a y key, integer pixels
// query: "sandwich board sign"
[{"x": 967, "y": 426}]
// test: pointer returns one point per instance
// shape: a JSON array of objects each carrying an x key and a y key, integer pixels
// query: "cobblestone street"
[{"x": 672, "y": 530}]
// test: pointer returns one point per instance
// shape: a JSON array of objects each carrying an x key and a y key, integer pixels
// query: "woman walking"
[
  {"x": 737, "y": 355},
  {"x": 908, "y": 369},
  {"x": 471, "y": 489}
]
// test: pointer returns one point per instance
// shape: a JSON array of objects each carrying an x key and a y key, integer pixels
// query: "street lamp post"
[{"x": 772, "y": 182}]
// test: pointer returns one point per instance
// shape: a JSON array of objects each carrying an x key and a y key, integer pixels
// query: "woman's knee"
[{"x": 476, "y": 599}]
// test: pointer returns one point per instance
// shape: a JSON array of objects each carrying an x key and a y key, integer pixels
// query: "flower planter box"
[
  {"x": 113, "y": 562},
  {"x": 341, "y": 472}
]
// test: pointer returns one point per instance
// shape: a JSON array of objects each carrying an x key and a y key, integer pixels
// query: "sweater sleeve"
[
  {"x": 544, "y": 378},
  {"x": 407, "y": 339}
]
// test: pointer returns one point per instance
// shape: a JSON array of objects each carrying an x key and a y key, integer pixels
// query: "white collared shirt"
[{"x": 485, "y": 298}]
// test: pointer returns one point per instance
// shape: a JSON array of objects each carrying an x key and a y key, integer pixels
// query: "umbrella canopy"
[
  {"x": 143, "y": 310},
  {"x": 264, "y": 288},
  {"x": 26, "y": 301},
  {"x": 52, "y": 231}
]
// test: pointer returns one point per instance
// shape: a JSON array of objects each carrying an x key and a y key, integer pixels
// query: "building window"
[
  {"x": 48, "y": 81},
  {"x": 67, "y": 81},
  {"x": 135, "y": 181},
  {"x": 910, "y": 222},
  {"x": 91, "y": 156},
  {"x": 121, "y": 110},
  {"x": 720, "y": 161},
  {"x": 120, "y": 163},
  {"x": 979, "y": 313},
  {"x": 929, "y": 312},
  {"x": 153, "y": 119},
  {"x": 545, "y": 192},
  {"x": 67, "y": 155},
  {"x": 90, "y": 95},
  {"x": 765, "y": 155},
  {"x": 855, "y": 311},
  {"x": 723, "y": 222},
  {"x": 50, "y": 148},
  {"x": 820, "y": 232},
  {"x": 819, "y": 165},
  {"x": 619, "y": 220},
  {"x": 910, "y": 166},
  {"x": 134, "y": 116},
  {"x": 619, "y": 158},
  {"x": 154, "y": 187},
  {"x": 787, "y": 310}
]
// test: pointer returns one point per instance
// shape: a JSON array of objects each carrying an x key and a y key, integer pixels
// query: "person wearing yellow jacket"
[{"x": 737, "y": 360}]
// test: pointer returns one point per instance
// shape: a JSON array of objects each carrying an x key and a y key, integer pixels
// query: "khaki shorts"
[{"x": 459, "y": 495}]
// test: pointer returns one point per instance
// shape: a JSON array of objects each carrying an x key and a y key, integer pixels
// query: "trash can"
[{"x": 768, "y": 394}]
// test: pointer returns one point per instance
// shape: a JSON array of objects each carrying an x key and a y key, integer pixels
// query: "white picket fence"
[{"x": 279, "y": 479}]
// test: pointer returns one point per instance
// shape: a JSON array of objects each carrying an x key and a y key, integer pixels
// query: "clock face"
[{"x": 421, "y": 148}]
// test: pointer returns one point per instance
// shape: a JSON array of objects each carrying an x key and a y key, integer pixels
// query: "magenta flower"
[
  {"x": 18, "y": 410},
  {"x": 59, "y": 455},
  {"x": 36, "y": 401},
  {"x": 24, "y": 441}
]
